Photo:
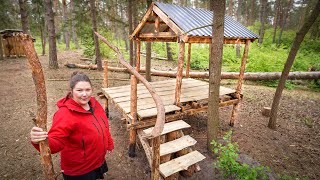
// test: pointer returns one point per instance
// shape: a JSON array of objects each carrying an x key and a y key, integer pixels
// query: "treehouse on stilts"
[{"x": 170, "y": 153}]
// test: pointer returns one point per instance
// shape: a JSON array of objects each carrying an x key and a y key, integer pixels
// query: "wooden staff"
[{"x": 41, "y": 119}]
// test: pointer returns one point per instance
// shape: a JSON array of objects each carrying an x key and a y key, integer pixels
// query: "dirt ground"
[{"x": 292, "y": 149}]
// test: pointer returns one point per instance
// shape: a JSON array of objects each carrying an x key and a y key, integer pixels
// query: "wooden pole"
[
  {"x": 41, "y": 119},
  {"x": 133, "y": 103},
  {"x": 1, "y": 48},
  {"x": 138, "y": 47},
  {"x": 106, "y": 84},
  {"x": 179, "y": 74},
  {"x": 133, "y": 113},
  {"x": 155, "y": 175},
  {"x": 240, "y": 82},
  {"x": 188, "y": 61},
  {"x": 148, "y": 61}
]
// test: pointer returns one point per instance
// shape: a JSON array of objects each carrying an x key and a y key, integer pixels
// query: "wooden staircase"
[{"x": 176, "y": 153}]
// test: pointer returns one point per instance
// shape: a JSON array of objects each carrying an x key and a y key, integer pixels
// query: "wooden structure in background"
[
  {"x": 170, "y": 153},
  {"x": 11, "y": 46}
]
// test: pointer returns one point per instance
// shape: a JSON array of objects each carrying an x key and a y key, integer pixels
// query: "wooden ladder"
[{"x": 176, "y": 153}]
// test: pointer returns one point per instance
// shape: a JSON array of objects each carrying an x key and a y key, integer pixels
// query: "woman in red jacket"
[{"x": 80, "y": 132}]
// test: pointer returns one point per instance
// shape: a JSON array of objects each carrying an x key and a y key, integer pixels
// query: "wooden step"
[
  {"x": 177, "y": 145},
  {"x": 169, "y": 127},
  {"x": 180, "y": 163}
]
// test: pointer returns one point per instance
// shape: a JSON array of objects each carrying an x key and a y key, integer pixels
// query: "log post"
[
  {"x": 1, "y": 48},
  {"x": 240, "y": 81},
  {"x": 155, "y": 171},
  {"x": 188, "y": 61},
  {"x": 106, "y": 84},
  {"x": 133, "y": 113},
  {"x": 41, "y": 119},
  {"x": 138, "y": 47},
  {"x": 179, "y": 74}
]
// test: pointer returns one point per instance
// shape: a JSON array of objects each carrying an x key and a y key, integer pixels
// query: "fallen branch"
[
  {"x": 224, "y": 75},
  {"x": 41, "y": 119}
]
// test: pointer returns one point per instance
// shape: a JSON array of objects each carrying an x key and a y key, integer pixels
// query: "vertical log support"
[
  {"x": 1, "y": 48},
  {"x": 138, "y": 48},
  {"x": 155, "y": 170},
  {"x": 106, "y": 84},
  {"x": 133, "y": 113},
  {"x": 240, "y": 81},
  {"x": 133, "y": 104},
  {"x": 188, "y": 61},
  {"x": 41, "y": 120},
  {"x": 179, "y": 74}
]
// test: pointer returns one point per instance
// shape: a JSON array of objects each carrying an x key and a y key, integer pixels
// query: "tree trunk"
[
  {"x": 216, "y": 49},
  {"x": 284, "y": 19},
  {"x": 315, "y": 30},
  {"x": 262, "y": 19},
  {"x": 57, "y": 19},
  {"x": 24, "y": 16},
  {"x": 239, "y": 20},
  {"x": 239, "y": 10},
  {"x": 130, "y": 31},
  {"x": 148, "y": 54},
  {"x": 95, "y": 38},
  {"x": 66, "y": 34},
  {"x": 73, "y": 25},
  {"x": 41, "y": 119},
  {"x": 1, "y": 48},
  {"x": 43, "y": 39},
  {"x": 53, "y": 62},
  {"x": 169, "y": 52},
  {"x": 292, "y": 54},
  {"x": 230, "y": 8},
  {"x": 276, "y": 20},
  {"x": 252, "y": 14}
]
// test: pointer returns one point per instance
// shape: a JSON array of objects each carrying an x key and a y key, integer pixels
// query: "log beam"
[{"x": 252, "y": 76}]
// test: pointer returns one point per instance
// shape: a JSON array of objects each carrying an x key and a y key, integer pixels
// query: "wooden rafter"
[{"x": 143, "y": 21}]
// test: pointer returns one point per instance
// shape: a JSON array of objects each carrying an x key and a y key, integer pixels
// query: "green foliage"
[{"x": 227, "y": 161}]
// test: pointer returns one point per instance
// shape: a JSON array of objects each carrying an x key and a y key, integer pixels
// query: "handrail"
[
  {"x": 160, "y": 107},
  {"x": 158, "y": 128}
]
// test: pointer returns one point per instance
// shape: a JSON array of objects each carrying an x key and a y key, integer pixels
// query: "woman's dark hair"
[{"x": 77, "y": 77}]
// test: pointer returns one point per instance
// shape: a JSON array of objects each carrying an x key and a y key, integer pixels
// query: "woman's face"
[{"x": 81, "y": 93}]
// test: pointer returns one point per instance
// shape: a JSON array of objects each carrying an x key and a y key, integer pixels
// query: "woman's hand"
[{"x": 37, "y": 134}]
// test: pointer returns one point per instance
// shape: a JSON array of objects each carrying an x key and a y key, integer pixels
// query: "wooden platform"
[{"x": 192, "y": 91}]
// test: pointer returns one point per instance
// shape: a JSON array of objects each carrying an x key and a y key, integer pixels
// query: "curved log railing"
[{"x": 156, "y": 132}]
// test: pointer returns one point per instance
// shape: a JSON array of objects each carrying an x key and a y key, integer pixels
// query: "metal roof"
[{"x": 190, "y": 18}]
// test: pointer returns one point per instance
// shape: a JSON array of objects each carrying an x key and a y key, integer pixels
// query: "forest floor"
[{"x": 292, "y": 149}]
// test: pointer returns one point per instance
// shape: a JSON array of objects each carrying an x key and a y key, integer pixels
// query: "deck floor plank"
[{"x": 191, "y": 90}]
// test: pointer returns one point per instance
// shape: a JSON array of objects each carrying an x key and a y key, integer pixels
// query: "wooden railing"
[{"x": 156, "y": 132}]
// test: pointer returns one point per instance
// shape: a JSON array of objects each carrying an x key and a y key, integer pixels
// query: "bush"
[{"x": 228, "y": 165}]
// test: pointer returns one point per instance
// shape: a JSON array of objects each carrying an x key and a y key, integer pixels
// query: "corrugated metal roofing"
[{"x": 189, "y": 18}]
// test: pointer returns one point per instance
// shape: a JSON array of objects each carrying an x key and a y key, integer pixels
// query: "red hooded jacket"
[{"x": 82, "y": 137}]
